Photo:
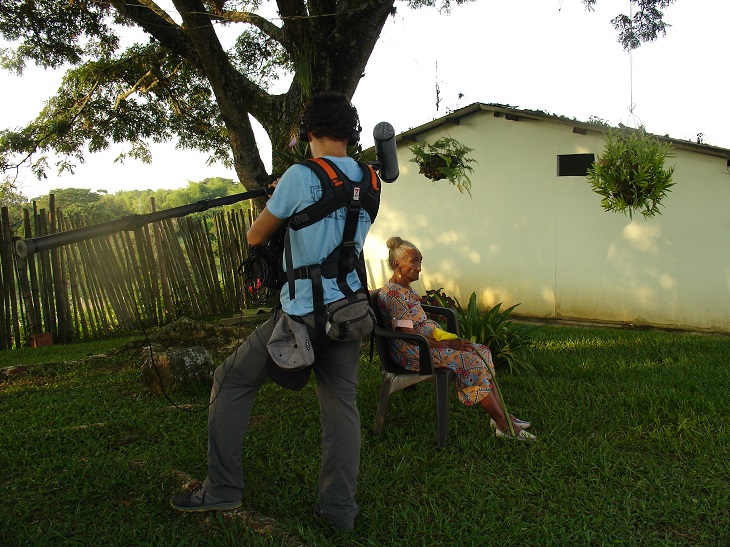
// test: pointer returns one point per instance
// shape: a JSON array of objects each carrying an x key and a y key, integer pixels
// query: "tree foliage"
[
  {"x": 645, "y": 25},
  {"x": 12, "y": 198},
  {"x": 184, "y": 83},
  {"x": 95, "y": 207}
]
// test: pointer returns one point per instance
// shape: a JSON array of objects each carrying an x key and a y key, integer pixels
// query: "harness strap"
[
  {"x": 324, "y": 169},
  {"x": 289, "y": 265},
  {"x": 320, "y": 310},
  {"x": 361, "y": 195},
  {"x": 347, "y": 259}
]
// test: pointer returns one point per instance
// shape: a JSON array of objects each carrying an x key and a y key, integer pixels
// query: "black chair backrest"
[
  {"x": 386, "y": 362},
  {"x": 374, "y": 306}
]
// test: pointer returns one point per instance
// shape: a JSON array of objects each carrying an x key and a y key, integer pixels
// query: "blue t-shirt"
[{"x": 298, "y": 188}]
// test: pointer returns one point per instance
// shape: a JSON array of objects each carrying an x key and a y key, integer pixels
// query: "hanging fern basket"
[
  {"x": 630, "y": 176},
  {"x": 445, "y": 159},
  {"x": 434, "y": 166}
]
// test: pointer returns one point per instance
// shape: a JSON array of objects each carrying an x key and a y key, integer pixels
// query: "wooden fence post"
[
  {"x": 33, "y": 308},
  {"x": 162, "y": 258},
  {"x": 89, "y": 288},
  {"x": 59, "y": 284},
  {"x": 9, "y": 275}
]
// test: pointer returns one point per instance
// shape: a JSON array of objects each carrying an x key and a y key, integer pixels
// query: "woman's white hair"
[{"x": 397, "y": 247}]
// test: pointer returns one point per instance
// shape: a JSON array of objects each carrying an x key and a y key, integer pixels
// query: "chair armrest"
[
  {"x": 452, "y": 321},
  {"x": 424, "y": 350}
]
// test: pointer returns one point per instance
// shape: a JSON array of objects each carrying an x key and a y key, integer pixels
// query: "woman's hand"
[{"x": 457, "y": 344}]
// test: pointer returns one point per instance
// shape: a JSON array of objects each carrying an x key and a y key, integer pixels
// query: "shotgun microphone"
[{"x": 386, "y": 151}]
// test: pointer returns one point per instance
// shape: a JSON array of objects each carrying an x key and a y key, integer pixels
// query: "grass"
[{"x": 633, "y": 426}]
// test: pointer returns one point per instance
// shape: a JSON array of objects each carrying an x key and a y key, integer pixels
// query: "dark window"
[{"x": 574, "y": 165}]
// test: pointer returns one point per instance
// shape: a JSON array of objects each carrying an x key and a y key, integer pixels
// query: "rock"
[
  {"x": 15, "y": 370},
  {"x": 177, "y": 367},
  {"x": 187, "y": 351}
]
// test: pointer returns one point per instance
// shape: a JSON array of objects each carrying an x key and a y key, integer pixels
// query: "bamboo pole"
[
  {"x": 226, "y": 269},
  {"x": 155, "y": 296},
  {"x": 146, "y": 290},
  {"x": 179, "y": 305},
  {"x": 193, "y": 248},
  {"x": 94, "y": 289},
  {"x": 69, "y": 330},
  {"x": 162, "y": 258},
  {"x": 59, "y": 281},
  {"x": 106, "y": 262},
  {"x": 191, "y": 274},
  {"x": 181, "y": 273},
  {"x": 91, "y": 320},
  {"x": 122, "y": 279},
  {"x": 195, "y": 281},
  {"x": 5, "y": 325},
  {"x": 205, "y": 278},
  {"x": 207, "y": 249},
  {"x": 47, "y": 295},
  {"x": 131, "y": 285},
  {"x": 36, "y": 325},
  {"x": 78, "y": 312},
  {"x": 31, "y": 317}
]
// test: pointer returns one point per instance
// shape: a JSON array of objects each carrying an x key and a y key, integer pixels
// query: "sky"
[{"x": 548, "y": 55}]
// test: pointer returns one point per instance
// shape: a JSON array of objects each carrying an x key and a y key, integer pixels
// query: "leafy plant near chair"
[
  {"x": 437, "y": 297},
  {"x": 507, "y": 341},
  {"x": 630, "y": 175},
  {"x": 446, "y": 158}
]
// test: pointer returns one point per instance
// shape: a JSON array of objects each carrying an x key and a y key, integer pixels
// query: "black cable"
[{"x": 152, "y": 355}]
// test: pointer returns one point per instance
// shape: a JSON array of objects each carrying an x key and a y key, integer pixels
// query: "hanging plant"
[
  {"x": 446, "y": 158},
  {"x": 630, "y": 175}
]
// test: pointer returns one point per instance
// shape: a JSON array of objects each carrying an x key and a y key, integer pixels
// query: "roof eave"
[{"x": 517, "y": 114}]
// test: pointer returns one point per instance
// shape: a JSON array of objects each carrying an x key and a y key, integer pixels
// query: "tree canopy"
[
  {"x": 183, "y": 85},
  {"x": 99, "y": 206}
]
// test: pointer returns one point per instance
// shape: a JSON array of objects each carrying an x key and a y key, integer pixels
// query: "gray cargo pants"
[{"x": 241, "y": 375}]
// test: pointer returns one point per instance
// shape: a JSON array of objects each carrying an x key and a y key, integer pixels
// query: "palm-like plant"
[{"x": 507, "y": 340}]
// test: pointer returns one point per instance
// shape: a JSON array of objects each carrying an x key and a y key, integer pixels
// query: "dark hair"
[{"x": 330, "y": 114}]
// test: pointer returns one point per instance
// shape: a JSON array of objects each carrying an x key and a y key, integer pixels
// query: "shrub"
[
  {"x": 437, "y": 297},
  {"x": 508, "y": 341}
]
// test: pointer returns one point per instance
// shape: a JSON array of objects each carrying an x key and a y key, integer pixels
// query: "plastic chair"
[{"x": 396, "y": 378}]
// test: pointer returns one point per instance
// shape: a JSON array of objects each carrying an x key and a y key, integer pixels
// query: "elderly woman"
[{"x": 401, "y": 308}]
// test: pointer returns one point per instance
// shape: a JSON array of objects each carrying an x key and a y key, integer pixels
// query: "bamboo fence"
[{"x": 112, "y": 284}]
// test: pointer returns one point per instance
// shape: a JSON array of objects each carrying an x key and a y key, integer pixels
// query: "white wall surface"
[{"x": 528, "y": 236}]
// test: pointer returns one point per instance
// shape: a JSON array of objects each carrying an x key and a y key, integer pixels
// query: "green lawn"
[{"x": 633, "y": 426}]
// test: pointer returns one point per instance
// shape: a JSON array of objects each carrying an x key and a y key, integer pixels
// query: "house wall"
[{"x": 530, "y": 237}]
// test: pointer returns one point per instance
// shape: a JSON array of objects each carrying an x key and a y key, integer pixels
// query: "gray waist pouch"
[{"x": 347, "y": 321}]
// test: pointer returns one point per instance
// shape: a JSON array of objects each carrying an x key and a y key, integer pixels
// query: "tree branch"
[
  {"x": 261, "y": 23},
  {"x": 353, "y": 12},
  {"x": 156, "y": 22},
  {"x": 235, "y": 94}
]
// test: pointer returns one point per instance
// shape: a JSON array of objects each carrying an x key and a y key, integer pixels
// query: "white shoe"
[
  {"x": 522, "y": 424},
  {"x": 521, "y": 436}
]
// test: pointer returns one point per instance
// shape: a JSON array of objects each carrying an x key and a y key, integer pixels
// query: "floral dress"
[{"x": 473, "y": 377}]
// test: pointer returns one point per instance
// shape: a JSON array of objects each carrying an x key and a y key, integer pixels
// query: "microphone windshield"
[{"x": 386, "y": 151}]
